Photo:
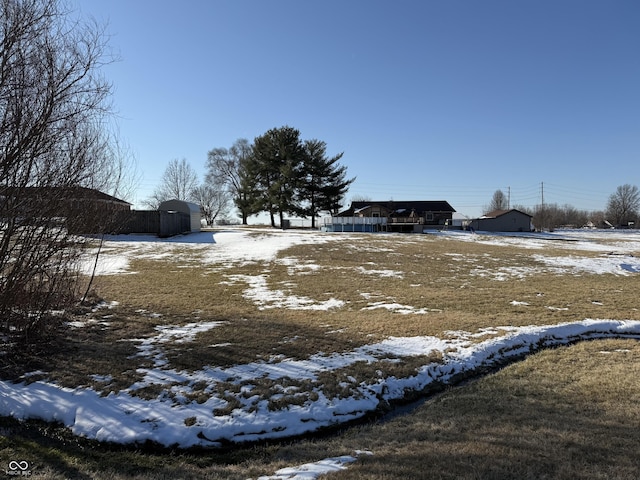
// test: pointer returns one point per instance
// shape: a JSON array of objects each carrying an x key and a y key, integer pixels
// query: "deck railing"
[
  {"x": 355, "y": 220},
  {"x": 413, "y": 220}
]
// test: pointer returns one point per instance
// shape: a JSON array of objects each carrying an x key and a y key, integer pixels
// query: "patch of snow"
[
  {"x": 243, "y": 246},
  {"x": 77, "y": 324},
  {"x": 297, "y": 267},
  {"x": 107, "y": 265},
  {"x": 503, "y": 274},
  {"x": 107, "y": 305},
  {"x": 311, "y": 471},
  {"x": 259, "y": 293},
  {"x": 171, "y": 333},
  {"x": 221, "y": 250},
  {"x": 124, "y": 418},
  {"x": 396, "y": 308},
  {"x": 381, "y": 273},
  {"x": 610, "y": 264}
]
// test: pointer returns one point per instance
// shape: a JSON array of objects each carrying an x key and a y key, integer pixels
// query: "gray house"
[{"x": 503, "y": 221}]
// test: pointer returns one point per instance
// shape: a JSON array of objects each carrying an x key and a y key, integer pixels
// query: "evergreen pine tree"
[
  {"x": 275, "y": 171},
  {"x": 324, "y": 181}
]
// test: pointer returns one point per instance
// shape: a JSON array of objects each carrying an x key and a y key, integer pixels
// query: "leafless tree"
[
  {"x": 499, "y": 201},
  {"x": 54, "y": 106},
  {"x": 214, "y": 202},
  {"x": 114, "y": 168},
  {"x": 225, "y": 169},
  {"x": 361, "y": 198},
  {"x": 179, "y": 181},
  {"x": 553, "y": 216},
  {"x": 624, "y": 205}
]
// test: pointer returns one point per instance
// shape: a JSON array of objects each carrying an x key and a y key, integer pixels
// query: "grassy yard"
[
  {"x": 565, "y": 413},
  {"x": 570, "y": 412}
]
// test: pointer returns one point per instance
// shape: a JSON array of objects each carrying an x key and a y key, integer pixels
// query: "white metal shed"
[{"x": 192, "y": 209}]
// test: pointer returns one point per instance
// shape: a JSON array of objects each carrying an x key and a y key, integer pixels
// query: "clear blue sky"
[{"x": 428, "y": 99}]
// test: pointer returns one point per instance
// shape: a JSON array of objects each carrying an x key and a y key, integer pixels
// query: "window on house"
[{"x": 429, "y": 216}]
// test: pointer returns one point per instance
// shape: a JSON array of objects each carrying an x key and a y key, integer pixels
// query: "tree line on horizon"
[
  {"x": 279, "y": 173},
  {"x": 622, "y": 210}
]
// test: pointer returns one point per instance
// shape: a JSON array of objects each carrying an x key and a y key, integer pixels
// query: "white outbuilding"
[{"x": 188, "y": 208}]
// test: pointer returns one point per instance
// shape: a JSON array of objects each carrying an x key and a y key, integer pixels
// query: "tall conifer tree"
[
  {"x": 324, "y": 181},
  {"x": 276, "y": 170}
]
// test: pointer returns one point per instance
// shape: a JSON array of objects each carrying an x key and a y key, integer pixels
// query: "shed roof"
[
  {"x": 499, "y": 213},
  {"x": 179, "y": 206}
]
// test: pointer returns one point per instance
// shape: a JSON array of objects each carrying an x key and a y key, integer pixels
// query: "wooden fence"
[{"x": 163, "y": 224}]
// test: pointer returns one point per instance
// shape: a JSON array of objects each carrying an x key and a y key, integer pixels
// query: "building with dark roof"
[
  {"x": 392, "y": 216},
  {"x": 79, "y": 209}
]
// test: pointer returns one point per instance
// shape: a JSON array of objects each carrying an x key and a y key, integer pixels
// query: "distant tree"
[
  {"x": 524, "y": 209},
  {"x": 323, "y": 183},
  {"x": 214, "y": 202},
  {"x": 624, "y": 205},
  {"x": 154, "y": 200},
  {"x": 361, "y": 198},
  {"x": 552, "y": 216},
  {"x": 179, "y": 181},
  {"x": 273, "y": 173},
  {"x": 499, "y": 201},
  {"x": 598, "y": 218},
  {"x": 573, "y": 217},
  {"x": 226, "y": 169}
]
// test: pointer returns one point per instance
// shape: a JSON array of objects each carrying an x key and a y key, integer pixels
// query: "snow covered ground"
[{"x": 176, "y": 420}]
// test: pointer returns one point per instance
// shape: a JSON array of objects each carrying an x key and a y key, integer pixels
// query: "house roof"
[
  {"x": 402, "y": 207},
  {"x": 499, "y": 213},
  {"x": 69, "y": 193}
]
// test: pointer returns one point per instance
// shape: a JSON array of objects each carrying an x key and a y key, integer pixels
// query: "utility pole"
[
  {"x": 542, "y": 212},
  {"x": 509, "y": 198}
]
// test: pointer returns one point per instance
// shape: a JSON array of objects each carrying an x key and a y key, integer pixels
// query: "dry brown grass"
[
  {"x": 547, "y": 417},
  {"x": 565, "y": 413},
  {"x": 452, "y": 282}
]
